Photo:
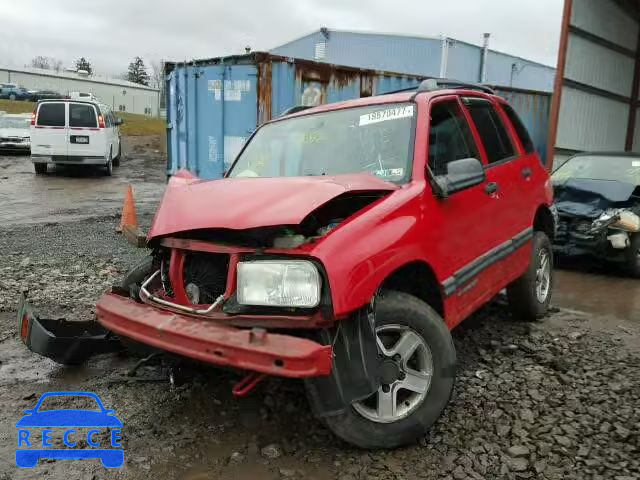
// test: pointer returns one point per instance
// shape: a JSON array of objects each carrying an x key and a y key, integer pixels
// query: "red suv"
[{"x": 342, "y": 246}]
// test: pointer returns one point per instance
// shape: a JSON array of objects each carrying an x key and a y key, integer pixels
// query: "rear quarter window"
[
  {"x": 51, "y": 115},
  {"x": 519, "y": 127},
  {"x": 82, "y": 116}
]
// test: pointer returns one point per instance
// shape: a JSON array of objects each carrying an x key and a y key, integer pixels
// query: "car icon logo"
[{"x": 35, "y": 432}]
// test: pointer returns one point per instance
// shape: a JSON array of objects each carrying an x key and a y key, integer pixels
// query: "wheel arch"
[{"x": 417, "y": 278}]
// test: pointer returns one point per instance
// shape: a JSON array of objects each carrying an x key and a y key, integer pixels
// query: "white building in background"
[{"x": 121, "y": 95}]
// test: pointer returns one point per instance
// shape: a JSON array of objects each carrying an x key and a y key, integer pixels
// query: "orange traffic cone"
[
  {"x": 129, "y": 221},
  {"x": 129, "y": 215}
]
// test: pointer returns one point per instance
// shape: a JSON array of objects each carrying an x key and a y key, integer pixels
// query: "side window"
[
  {"x": 519, "y": 127},
  {"x": 449, "y": 137},
  {"x": 492, "y": 132},
  {"x": 81, "y": 115},
  {"x": 51, "y": 115}
]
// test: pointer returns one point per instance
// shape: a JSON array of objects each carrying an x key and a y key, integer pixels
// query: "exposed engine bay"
[
  {"x": 596, "y": 217},
  {"x": 314, "y": 226}
]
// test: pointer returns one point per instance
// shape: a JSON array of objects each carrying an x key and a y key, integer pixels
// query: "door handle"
[
  {"x": 491, "y": 188},
  {"x": 526, "y": 173}
]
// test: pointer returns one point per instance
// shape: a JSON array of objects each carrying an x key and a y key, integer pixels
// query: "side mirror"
[
  {"x": 118, "y": 121},
  {"x": 461, "y": 174}
]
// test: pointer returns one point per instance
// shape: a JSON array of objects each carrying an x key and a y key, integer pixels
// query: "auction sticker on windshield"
[{"x": 393, "y": 113}]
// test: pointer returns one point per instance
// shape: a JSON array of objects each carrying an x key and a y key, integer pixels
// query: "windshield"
[
  {"x": 600, "y": 167},
  {"x": 374, "y": 139},
  {"x": 13, "y": 122}
]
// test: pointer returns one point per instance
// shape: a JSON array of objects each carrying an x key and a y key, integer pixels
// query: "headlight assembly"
[{"x": 279, "y": 283}]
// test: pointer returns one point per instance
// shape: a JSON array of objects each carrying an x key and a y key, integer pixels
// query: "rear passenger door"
[
  {"x": 504, "y": 171},
  {"x": 50, "y": 136},
  {"x": 84, "y": 139}
]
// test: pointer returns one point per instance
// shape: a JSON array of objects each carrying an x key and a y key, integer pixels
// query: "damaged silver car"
[{"x": 597, "y": 198}]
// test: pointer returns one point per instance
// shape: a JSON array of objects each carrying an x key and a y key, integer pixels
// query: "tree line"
[{"x": 137, "y": 71}]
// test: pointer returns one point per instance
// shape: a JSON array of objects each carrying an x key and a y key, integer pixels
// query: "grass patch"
[
  {"x": 133, "y": 124},
  {"x": 16, "y": 107}
]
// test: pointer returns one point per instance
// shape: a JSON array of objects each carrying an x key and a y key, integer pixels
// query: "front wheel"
[
  {"x": 633, "y": 256},
  {"x": 529, "y": 296},
  {"x": 40, "y": 168},
  {"x": 416, "y": 376}
]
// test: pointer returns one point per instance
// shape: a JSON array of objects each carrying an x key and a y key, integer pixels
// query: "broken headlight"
[{"x": 278, "y": 283}]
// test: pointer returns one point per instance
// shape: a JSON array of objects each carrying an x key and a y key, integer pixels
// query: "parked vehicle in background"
[
  {"x": 71, "y": 132},
  {"x": 597, "y": 196},
  {"x": 83, "y": 96},
  {"x": 11, "y": 91},
  {"x": 15, "y": 132},
  {"x": 45, "y": 95}
]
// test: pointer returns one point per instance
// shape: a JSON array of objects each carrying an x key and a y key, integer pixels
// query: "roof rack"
[
  {"x": 295, "y": 109},
  {"x": 433, "y": 84}
]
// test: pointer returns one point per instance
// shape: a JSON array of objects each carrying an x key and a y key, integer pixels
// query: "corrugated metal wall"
[
  {"x": 593, "y": 97},
  {"x": 413, "y": 55},
  {"x": 420, "y": 56},
  {"x": 533, "y": 108}
]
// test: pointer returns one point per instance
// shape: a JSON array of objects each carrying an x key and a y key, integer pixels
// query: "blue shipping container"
[{"x": 214, "y": 105}]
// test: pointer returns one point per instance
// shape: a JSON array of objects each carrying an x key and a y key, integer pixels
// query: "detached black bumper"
[{"x": 63, "y": 341}]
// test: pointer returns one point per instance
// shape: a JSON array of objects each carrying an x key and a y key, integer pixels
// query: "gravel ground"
[{"x": 555, "y": 400}]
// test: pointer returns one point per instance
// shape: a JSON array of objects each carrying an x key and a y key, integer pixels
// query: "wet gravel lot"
[{"x": 553, "y": 400}]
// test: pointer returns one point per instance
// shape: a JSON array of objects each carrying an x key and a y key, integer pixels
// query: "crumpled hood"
[
  {"x": 243, "y": 203},
  {"x": 589, "y": 197}
]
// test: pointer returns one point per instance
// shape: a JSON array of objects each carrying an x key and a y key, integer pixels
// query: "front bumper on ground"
[
  {"x": 68, "y": 160},
  {"x": 210, "y": 341}
]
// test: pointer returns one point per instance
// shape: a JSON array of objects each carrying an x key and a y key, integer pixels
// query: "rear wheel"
[
  {"x": 108, "y": 169},
  {"x": 416, "y": 376},
  {"x": 116, "y": 159},
  {"x": 529, "y": 296},
  {"x": 40, "y": 168}
]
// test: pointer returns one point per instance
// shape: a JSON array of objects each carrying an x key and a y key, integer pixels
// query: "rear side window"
[
  {"x": 51, "y": 115},
  {"x": 449, "y": 137},
  {"x": 82, "y": 115},
  {"x": 492, "y": 132},
  {"x": 519, "y": 127}
]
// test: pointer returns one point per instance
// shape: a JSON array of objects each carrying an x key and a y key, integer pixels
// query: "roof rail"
[{"x": 432, "y": 84}]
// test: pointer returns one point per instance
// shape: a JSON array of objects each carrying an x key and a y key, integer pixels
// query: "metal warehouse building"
[
  {"x": 121, "y": 95},
  {"x": 595, "y": 104},
  {"x": 426, "y": 56}
]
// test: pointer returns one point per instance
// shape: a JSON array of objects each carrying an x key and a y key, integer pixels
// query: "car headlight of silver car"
[{"x": 279, "y": 283}]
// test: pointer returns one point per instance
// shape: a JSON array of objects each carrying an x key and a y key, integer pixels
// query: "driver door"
[{"x": 462, "y": 227}]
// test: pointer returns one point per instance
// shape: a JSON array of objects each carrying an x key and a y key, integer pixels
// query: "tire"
[
  {"x": 416, "y": 320},
  {"x": 116, "y": 159},
  {"x": 132, "y": 282},
  {"x": 525, "y": 301},
  {"x": 40, "y": 168},
  {"x": 137, "y": 275},
  {"x": 108, "y": 169},
  {"x": 633, "y": 256}
]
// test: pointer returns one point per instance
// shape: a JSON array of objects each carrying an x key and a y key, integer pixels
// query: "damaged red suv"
[{"x": 342, "y": 246}]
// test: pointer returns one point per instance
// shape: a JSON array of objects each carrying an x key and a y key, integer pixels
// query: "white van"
[{"x": 74, "y": 132}]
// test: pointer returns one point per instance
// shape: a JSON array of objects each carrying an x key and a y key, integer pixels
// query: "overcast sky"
[{"x": 111, "y": 32}]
